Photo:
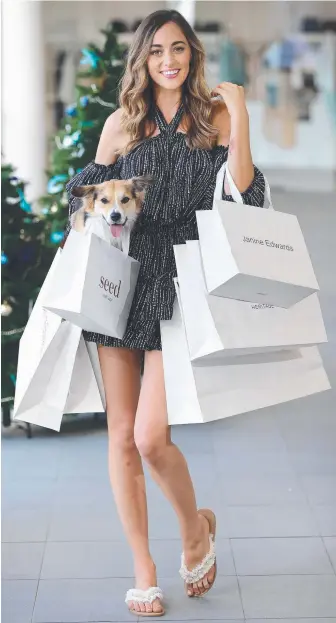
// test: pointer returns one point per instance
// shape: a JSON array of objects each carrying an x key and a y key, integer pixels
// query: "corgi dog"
[{"x": 119, "y": 202}]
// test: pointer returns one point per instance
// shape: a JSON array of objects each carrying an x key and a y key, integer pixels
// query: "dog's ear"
[
  {"x": 88, "y": 194},
  {"x": 140, "y": 184},
  {"x": 83, "y": 191}
]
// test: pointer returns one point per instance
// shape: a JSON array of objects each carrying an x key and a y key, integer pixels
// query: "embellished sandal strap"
[
  {"x": 144, "y": 597},
  {"x": 197, "y": 573}
]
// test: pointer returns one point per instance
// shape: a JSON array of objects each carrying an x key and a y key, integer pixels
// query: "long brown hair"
[{"x": 137, "y": 96}]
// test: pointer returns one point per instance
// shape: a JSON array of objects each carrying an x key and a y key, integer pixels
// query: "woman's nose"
[{"x": 168, "y": 59}]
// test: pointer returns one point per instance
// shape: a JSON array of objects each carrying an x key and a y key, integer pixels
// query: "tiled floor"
[{"x": 270, "y": 475}]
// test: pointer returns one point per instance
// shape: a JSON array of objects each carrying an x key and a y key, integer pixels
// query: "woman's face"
[{"x": 169, "y": 57}]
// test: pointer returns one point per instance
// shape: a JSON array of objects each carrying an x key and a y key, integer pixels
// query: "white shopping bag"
[
  {"x": 256, "y": 255},
  {"x": 57, "y": 371},
  {"x": 224, "y": 327},
  {"x": 94, "y": 285},
  {"x": 197, "y": 394}
]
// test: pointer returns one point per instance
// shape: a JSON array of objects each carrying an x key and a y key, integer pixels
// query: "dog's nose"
[{"x": 115, "y": 216}]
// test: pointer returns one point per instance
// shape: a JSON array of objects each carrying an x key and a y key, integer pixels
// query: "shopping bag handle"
[{"x": 223, "y": 172}]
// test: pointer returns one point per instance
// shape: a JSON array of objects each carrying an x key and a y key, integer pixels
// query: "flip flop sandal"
[
  {"x": 200, "y": 571},
  {"x": 145, "y": 597}
]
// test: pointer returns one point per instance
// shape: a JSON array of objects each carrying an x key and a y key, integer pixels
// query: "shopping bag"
[
  {"x": 255, "y": 255},
  {"x": 197, "y": 394},
  {"x": 222, "y": 328},
  {"x": 94, "y": 285},
  {"x": 57, "y": 371},
  {"x": 64, "y": 382}
]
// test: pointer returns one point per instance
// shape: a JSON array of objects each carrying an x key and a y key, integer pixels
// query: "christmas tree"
[
  {"x": 75, "y": 144},
  {"x": 25, "y": 260}
]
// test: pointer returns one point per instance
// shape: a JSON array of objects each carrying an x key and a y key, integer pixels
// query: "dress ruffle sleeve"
[{"x": 93, "y": 173}]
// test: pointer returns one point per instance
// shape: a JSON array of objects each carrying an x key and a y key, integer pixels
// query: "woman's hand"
[{"x": 234, "y": 98}]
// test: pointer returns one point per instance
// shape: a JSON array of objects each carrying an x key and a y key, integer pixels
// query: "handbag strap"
[{"x": 223, "y": 172}]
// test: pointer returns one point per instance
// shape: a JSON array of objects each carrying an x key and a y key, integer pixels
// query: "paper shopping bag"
[
  {"x": 63, "y": 382},
  {"x": 197, "y": 394},
  {"x": 57, "y": 372},
  {"x": 93, "y": 285},
  {"x": 222, "y": 328},
  {"x": 255, "y": 255}
]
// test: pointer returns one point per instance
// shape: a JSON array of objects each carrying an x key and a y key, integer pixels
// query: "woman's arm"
[
  {"x": 104, "y": 167},
  {"x": 112, "y": 139},
  {"x": 232, "y": 121}
]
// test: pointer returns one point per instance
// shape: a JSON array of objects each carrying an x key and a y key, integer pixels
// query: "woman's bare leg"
[
  {"x": 168, "y": 465},
  {"x": 121, "y": 375}
]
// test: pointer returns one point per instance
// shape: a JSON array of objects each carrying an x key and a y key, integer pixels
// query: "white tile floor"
[{"x": 270, "y": 475}]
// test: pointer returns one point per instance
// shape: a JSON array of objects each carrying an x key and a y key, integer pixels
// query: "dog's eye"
[
  {"x": 125, "y": 200},
  {"x": 104, "y": 200}
]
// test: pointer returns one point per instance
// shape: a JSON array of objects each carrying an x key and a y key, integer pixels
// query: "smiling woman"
[
  {"x": 169, "y": 128},
  {"x": 162, "y": 61}
]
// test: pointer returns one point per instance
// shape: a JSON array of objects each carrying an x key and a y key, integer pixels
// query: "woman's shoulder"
[
  {"x": 113, "y": 124},
  {"x": 113, "y": 139},
  {"x": 220, "y": 119}
]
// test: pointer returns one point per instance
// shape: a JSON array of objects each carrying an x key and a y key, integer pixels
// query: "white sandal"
[
  {"x": 200, "y": 571},
  {"x": 139, "y": 596}
]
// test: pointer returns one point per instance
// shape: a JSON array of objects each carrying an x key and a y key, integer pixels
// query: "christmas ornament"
[
  {"x": 84, "y": 100},
  {"x": 71, "y": 111},
  {"x": 56, "y": 184},
  {"x": 4, "y": 258},
  {"x": 6, "y": 309},
  {"x": 12, "y": 200},
  {"x": 56, "y": 237},
  {"x": 72, "y": 139},
  {"x": 24, "y": 205},
  {"x": 78, "y": 153},
  {"x": 89, "y": 58}
]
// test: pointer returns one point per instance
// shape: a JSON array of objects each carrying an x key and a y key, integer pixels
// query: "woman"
[{"x": 168, "y": 127}]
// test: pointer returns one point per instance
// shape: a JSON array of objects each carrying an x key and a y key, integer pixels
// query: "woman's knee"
[
  {"x": 151, "y": 443},
  {"x": 121, "y": 431}
]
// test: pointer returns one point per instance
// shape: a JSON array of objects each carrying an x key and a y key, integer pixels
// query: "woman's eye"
[
  {"x": 104, "y": 200},
  {"x": 180, "y": 49},
  {"x": 155, "y": 52},
  {"x": 125, "y": 200}
]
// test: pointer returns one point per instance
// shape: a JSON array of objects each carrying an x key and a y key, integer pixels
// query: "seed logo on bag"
[
  {"x": 110, "y": 287},
  {"x": 268, "y": 243}
]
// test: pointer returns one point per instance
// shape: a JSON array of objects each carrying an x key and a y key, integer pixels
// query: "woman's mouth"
[{"x": 170, "y": 73}]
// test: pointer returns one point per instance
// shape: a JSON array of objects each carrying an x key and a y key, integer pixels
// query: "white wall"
[
  {"x": 80, "y": 21},
  {"x": 255, "y": 20}
]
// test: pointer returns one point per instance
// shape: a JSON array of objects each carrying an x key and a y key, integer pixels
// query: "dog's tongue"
[{"x": 116, "y": 230}]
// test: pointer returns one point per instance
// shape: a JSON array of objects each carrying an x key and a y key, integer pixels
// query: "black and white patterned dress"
[{"x": 185, "y": 180}]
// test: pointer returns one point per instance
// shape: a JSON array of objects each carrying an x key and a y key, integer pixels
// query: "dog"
[{"x": 119, "y": 202}]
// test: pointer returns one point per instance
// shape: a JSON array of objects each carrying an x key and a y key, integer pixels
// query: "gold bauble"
[
  {"x": 6, "y": 309},
  {"x": 88, "y": 81}
]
